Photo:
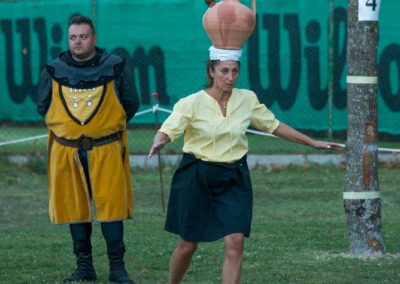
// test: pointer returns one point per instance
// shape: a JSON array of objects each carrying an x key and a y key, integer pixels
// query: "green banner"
[{"x": 286, "y": 60}]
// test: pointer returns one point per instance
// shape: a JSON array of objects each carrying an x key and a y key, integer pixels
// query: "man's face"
[{"x": 81, "y": 42}]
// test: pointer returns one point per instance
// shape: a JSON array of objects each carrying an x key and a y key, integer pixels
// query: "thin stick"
[{"x": 158, "y": 154}]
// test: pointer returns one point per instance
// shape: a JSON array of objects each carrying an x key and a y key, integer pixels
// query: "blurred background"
[{"x": 295, "y": 61}]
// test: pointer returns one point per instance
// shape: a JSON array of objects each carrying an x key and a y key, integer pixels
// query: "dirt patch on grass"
[{"x": 329, "y": 256}]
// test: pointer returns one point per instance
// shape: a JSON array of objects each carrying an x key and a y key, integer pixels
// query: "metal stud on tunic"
[
  {"x": 75, "y": 104},
  {"x": 89, "y": 101}
]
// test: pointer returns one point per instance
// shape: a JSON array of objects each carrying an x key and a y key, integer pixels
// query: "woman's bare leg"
[
  {"x": 232, "y": 267},
  {"x": 180, "y": 260}
]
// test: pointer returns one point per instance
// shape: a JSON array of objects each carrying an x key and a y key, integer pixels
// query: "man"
[{"x": 87, "y": 96}]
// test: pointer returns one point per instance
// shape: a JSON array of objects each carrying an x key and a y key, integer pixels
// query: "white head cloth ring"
[{"x": 225, "y": 54}]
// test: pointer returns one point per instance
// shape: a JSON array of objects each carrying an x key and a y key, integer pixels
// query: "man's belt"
[{"x": 87, "y": 143}]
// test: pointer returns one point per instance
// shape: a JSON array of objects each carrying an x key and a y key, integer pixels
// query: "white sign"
[{"x": 368, "y": 10}]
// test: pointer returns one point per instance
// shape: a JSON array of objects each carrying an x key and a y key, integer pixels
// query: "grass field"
[{"x": 298, "y": 234}]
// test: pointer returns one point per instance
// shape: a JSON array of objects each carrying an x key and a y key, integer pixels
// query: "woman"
[{"x": 211, "y": 194}]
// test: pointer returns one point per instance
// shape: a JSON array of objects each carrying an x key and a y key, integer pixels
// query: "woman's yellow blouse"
[{"x": 208, "y": 134}]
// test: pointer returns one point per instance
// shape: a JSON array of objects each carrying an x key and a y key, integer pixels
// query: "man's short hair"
[{"x": 79, "y": 19}]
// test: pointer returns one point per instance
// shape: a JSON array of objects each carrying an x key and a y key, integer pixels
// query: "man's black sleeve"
[
  {"x": 128, "y": 93},
  {"x": 44, "y": 93}
]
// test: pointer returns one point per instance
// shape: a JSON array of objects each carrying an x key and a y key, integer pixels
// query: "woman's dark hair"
[
  {"x": 79, "y": 19},
  {"x": 211, "y": 67}
]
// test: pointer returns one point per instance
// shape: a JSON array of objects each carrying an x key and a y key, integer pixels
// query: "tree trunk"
[{"x": 362, "y": 201}]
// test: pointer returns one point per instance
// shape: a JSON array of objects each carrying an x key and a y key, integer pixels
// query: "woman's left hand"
[{"x": 328, "y": 145}]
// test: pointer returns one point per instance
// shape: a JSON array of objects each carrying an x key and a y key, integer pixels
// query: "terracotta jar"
[{"x": 229, "y": 23}]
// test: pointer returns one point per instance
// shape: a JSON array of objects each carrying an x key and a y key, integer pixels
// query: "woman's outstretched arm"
[{"x": 288, "y": 133}]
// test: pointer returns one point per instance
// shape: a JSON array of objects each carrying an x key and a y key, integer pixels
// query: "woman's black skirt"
[{"x": 209, "y": 200}]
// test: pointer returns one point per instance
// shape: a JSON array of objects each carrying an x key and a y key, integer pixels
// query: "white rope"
[
  {"x": 261, "y": 133},
  {"x": 389, "y": 150},
  {"x": 156, "y": 108},
  {"x": 23, "y": 140},
  {"x": 165, "y": 110},
  {"x": 143, "y": 112}
]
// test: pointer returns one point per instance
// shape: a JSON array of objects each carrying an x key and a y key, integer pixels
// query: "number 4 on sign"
[
  {"x": 368, "y": 10},
  {"x": 372, "y": 4}
]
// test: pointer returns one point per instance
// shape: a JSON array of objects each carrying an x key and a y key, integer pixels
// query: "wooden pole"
[{"x": 361, "y": 195}]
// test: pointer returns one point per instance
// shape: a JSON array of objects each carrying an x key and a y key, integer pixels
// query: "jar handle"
[{"x": 210, "y": 3}]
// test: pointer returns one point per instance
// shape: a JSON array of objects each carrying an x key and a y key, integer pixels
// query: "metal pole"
[
  {"x": 330, "y": 68},
  {"x": 155, "y": 110},
  {"x": 94, "y": 12}
]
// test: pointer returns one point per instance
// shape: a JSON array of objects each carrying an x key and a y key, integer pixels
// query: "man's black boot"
[
  {"x": 118, "y": 274},
  {"x": 84, "y": 261}
]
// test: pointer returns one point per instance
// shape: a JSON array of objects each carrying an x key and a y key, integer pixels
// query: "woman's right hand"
[{"x": 160, "y": 139}]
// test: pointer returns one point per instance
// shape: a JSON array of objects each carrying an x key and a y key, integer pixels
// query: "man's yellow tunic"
[{"x": 93, "y": 112}]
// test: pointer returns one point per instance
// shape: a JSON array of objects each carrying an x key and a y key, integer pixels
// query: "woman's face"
[{"x": 225, "y": 75}]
